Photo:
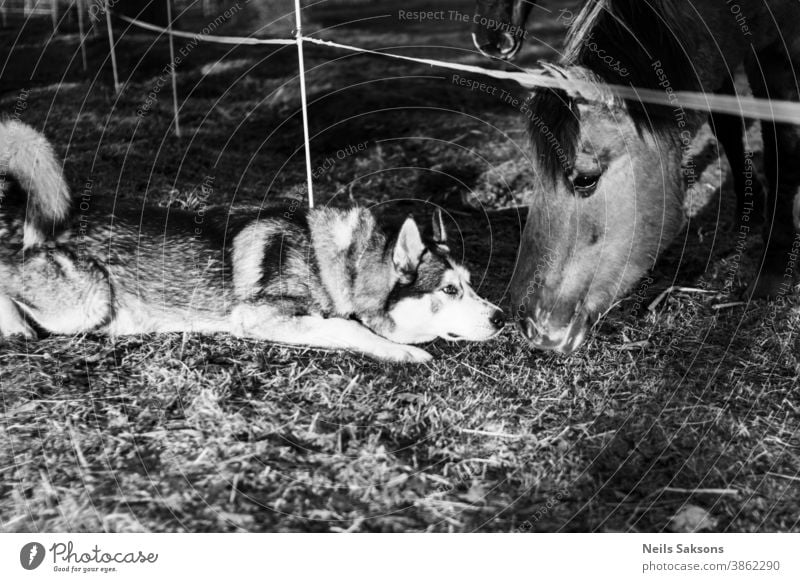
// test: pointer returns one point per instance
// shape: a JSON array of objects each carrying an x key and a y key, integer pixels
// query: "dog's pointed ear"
[
  {"x": 408, "y": 249},
  {"x": 439, "y": 232}
]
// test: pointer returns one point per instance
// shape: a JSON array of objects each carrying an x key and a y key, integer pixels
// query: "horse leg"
[
  {"x": 772, "y": 75},
  {"x": 729, "y": 131}
]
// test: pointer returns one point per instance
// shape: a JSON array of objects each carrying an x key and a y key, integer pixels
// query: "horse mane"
[{"x": 636, "y": 34}]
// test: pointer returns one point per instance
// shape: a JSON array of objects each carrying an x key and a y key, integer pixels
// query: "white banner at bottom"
[{"x": 388, "y": 557}]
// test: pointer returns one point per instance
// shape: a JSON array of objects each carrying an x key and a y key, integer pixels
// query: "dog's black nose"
[{"x": 498, "y": 319}]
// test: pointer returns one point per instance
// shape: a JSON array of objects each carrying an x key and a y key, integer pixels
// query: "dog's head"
[{"x": 433, "y": 297}]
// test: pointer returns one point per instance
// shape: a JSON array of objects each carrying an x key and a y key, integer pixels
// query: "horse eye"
[
  {"x": 450, "y": 290},
  {"x": 585, "y": 184}
]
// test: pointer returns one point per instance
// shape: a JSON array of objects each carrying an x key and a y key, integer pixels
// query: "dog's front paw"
[
  {"x": 402, "y": 353},
  {"x": 16, "y": 326},
  {"x": 12, "y": 323}
]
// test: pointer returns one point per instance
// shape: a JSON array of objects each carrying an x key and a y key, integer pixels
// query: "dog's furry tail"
[{"x": 27, "y": 156}]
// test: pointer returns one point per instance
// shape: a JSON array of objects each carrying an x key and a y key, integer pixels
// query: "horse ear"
[
  {"x": 408, "y": 249},
  {"x": 439, "y": 232}
]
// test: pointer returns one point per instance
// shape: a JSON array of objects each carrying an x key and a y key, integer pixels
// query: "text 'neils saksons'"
[{"x": 681, "y": 549}]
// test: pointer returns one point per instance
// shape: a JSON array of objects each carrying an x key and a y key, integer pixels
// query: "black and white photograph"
[{"x": 400, "y": 267}]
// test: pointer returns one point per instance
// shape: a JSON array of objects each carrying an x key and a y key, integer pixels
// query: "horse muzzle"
[
  {"x": 503, "y": 45},
  {"x": 546, "y": 333}
]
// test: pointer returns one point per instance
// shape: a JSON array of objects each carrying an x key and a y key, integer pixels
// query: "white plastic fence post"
[
  {"x": 303, "y": 101},
  {"x": 173, "y": 67},
  {"x": 112, "y": 47},
  {"x": 82, "y": 33}
]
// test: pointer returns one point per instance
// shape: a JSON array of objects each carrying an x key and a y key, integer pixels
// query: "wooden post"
[
  {"x": 111, "y": 46},
  {"x": 174, "y": 67}
]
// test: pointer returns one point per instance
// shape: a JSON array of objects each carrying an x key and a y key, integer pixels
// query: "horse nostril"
[
  {"x": 508, "y": 43},
  {"x": 498, "y": 319},
  {"x": 490, "y": 50},
  {"x": 527, "y": 328}
]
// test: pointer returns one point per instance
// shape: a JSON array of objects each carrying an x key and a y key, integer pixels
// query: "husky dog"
[{"x": 324, "y": 278}]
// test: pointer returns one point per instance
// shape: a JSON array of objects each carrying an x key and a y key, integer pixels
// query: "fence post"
[
  {"x": 111, "y": 46},
  {"x": 82, "y": 33},
  {"x": 303, "y": 101},
  {"x": 173, "y": 67}
]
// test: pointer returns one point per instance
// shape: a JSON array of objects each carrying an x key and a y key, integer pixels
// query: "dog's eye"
[
  {"x": 584, "y": 185},
  {"x": 450, "y": 290}
]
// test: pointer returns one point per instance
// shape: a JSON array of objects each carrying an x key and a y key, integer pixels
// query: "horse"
[
  {"x": 610, "y": 194},
  {"x": 499, "y": 32}
]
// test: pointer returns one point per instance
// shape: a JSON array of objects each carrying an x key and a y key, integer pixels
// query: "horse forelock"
[
  {"x": 554, "y": 119},
  {"x": 553, "y": 129}
]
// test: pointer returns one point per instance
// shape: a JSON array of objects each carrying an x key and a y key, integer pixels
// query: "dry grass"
[{"x": 687, "y": 405}]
